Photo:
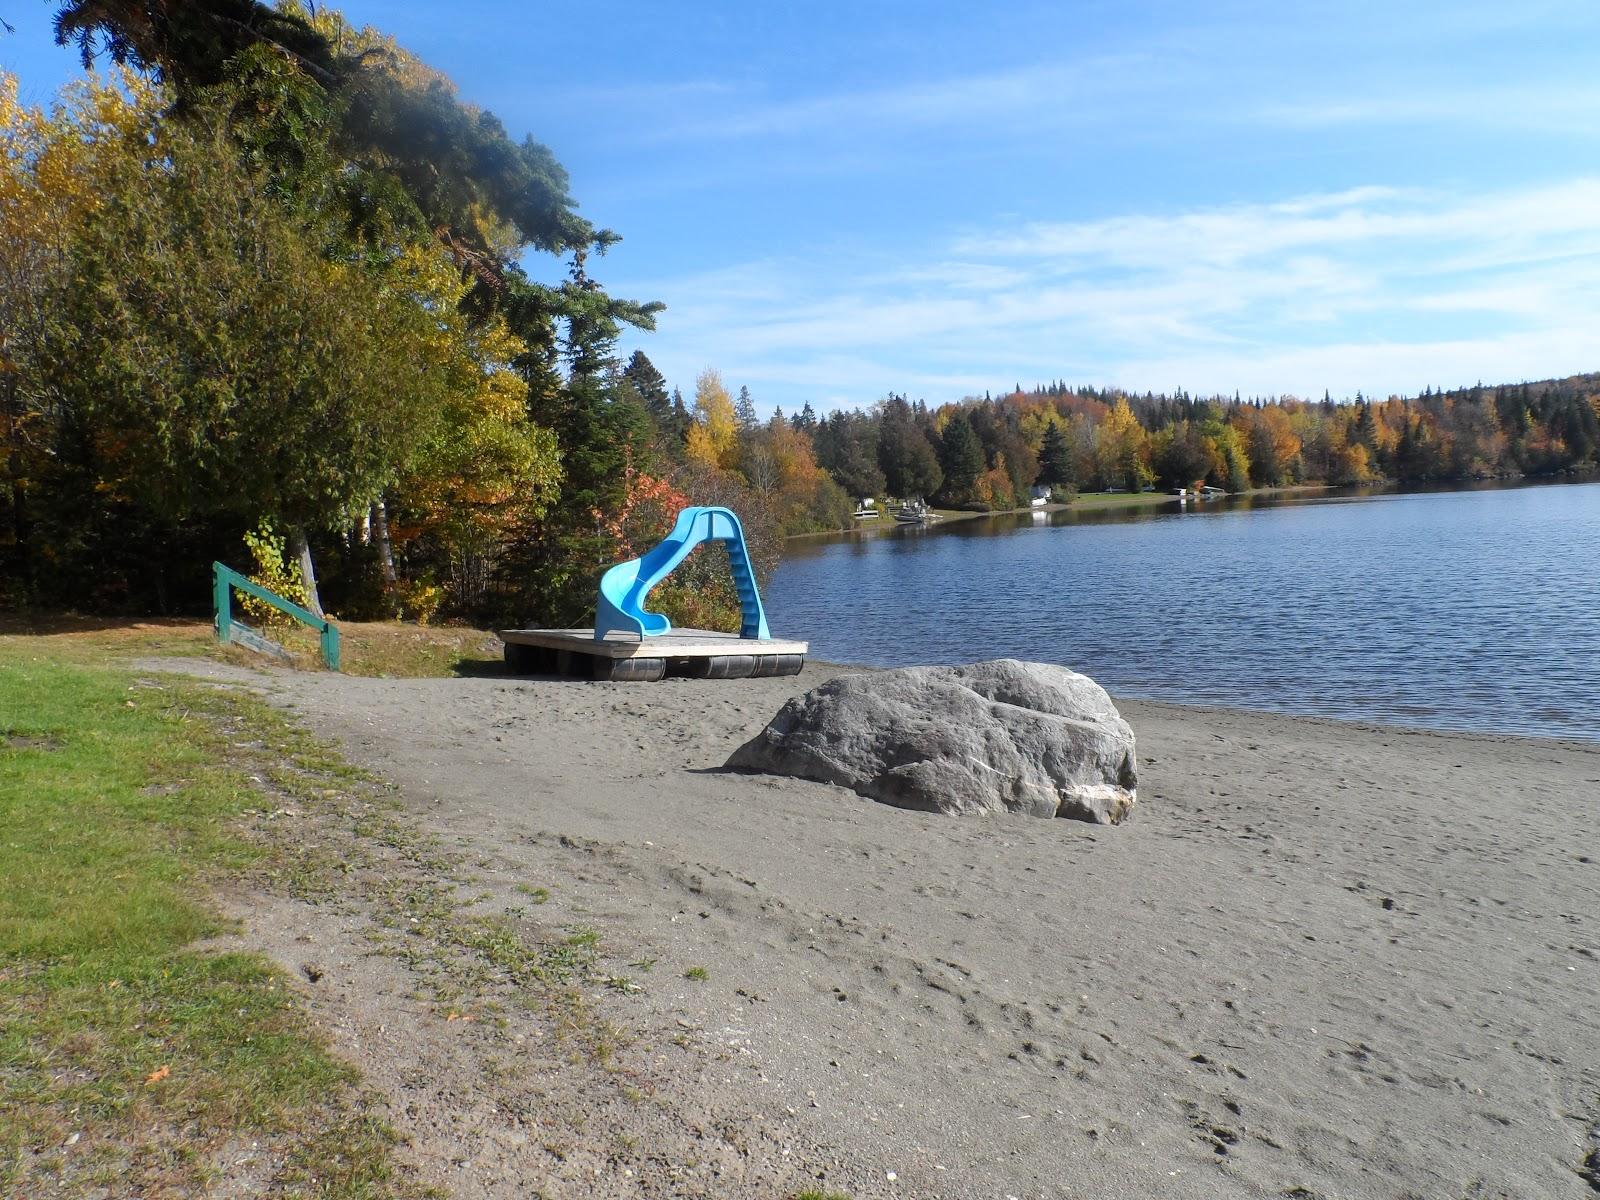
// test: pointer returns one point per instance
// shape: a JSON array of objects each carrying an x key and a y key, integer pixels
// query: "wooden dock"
[{"x": 695, "y": 653}]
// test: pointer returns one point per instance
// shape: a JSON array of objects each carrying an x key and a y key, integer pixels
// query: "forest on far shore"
[
  {"x": 991, "y": 452},
  {"x": 263, "y": 300}
]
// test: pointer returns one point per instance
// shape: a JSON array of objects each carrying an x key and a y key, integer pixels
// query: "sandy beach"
[{"x": 1321, "y": 960}]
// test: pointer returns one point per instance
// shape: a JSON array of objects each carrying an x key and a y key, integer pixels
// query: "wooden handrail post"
[
  {"x": 330, "y": 645},
  {"x": 222, "y": 600},
  {"x": 225, "y": 579}
]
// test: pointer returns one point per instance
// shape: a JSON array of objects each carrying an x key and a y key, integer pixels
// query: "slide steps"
[{"x": 625, "y": 587}]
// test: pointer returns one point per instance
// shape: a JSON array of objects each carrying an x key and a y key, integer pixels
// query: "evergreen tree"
[
  {"x": 650, "y": 386},
  {"x": 847, "y": 449},
  {"x": 1181, "y": 458},
  {"x": 1056, "y": 468},
  {"x": 908, "y": 460},
  {"x": 961, "y": 459},
  {"x": 1366, "y": 428},
  {"x": 744, "y": 411}
]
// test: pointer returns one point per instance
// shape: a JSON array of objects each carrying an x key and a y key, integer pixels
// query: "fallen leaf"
[{"x": 158, "y": 1074}]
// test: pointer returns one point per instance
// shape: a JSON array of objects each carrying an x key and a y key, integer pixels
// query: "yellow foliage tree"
[
  {"x": 1122, "y": 448},
  {"x": 53, "y": 167},
  {"x": 713, "y": 439},
  {"x": 1271, "y": 443},
  {"x": 485, "y": 468}
]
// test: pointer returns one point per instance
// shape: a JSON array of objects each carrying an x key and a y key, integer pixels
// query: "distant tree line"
[{"x": 989, "y": 453}]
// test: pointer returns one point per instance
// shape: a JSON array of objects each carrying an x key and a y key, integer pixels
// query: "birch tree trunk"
[
  {"x": 308, "y": 571},
  {"x": 380, "y": 535}
]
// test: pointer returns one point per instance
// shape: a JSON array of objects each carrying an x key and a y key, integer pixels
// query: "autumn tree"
[
  {"x": 205, "y": 358},
  {"x": 343, "y": 124},
  {"x": 1230, "y": 463},
  {"x": 778, "y": 463},
  {"x": 713, "y": 439},
  {"x": 1271, "y": 443},
  {"x": 480, "y": 469},
  {"x": 56, "y": 168},
  {"x": 1122, "y": 449}
]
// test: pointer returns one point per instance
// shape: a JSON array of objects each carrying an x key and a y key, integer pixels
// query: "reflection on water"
[{"x": 1473, "y": 609}]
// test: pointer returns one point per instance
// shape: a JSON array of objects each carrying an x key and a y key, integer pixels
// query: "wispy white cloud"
[
  {"x": 1556, "y": 106},
  {"x": 1501, "y": 228},
  {"x": 1038, "y": 93},
  {"x": 1373, "y": 289},
  {"x": 1402, "y": 365}
]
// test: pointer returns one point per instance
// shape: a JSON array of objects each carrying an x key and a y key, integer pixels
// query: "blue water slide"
[{"x": 624, "y": 587}]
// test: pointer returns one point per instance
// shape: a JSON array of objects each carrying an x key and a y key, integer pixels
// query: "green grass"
[
  {"x": 117, "y": 810},
  {"x": 698, "y": 974},
  {"x": 389, "y": 648},
  {"x": 1093, "y": 500},
  {"x": 396, "y": 650}
]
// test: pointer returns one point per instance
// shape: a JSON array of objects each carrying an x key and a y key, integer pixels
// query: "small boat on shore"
[
  {"x": 867, "y": 510},
  {"x": 914, "y": 512}
]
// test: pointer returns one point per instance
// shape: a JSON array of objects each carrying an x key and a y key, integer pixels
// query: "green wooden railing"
[{"x": 224, "y": 579}]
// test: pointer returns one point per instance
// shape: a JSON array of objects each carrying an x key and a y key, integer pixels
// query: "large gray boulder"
[{"x": 1002, "y": 736}]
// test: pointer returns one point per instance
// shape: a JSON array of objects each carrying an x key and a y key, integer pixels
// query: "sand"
[{"x": 1322, "y": 960}]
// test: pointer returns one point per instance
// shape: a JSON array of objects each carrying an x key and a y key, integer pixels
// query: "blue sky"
[{"x": 836, "y": 200}]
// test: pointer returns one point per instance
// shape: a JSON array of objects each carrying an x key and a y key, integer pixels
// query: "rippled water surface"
[{"x": 1457, "y": 610}]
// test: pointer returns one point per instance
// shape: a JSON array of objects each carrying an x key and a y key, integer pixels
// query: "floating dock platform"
[{"x": 694, "y": 653}]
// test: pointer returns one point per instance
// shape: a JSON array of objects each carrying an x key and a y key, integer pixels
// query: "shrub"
[
  {"x": 420, "y": 599},
  {"x": 274, "y": 572}
]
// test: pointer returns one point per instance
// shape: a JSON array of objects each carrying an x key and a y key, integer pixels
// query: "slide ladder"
[{"x": 624, "y": 587}]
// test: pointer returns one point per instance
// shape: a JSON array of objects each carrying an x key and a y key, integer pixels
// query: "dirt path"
[{"x": 1322, "y": 960}]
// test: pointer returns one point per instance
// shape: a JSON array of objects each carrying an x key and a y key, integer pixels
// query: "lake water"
[{"x": 1475, "y": 610}]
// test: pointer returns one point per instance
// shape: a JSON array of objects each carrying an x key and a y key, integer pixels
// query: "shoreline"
[
  {"x": 1108, "y": 501},
  {"x": 1197, "y": 709},
  {"x": 1085, "y": 502},
  {"x": 1234, "y": 711}
]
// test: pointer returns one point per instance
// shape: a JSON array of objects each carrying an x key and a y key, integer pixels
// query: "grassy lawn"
[
  {"x": 1086, "y": 501},
  {"x": 139, "y": 1058},
  {"x": 392, "y": 649},
  {"x": 130, "y": 1058},
  {"x": 1083, "y": 502},
  {"x": 373, "y": 648}
]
